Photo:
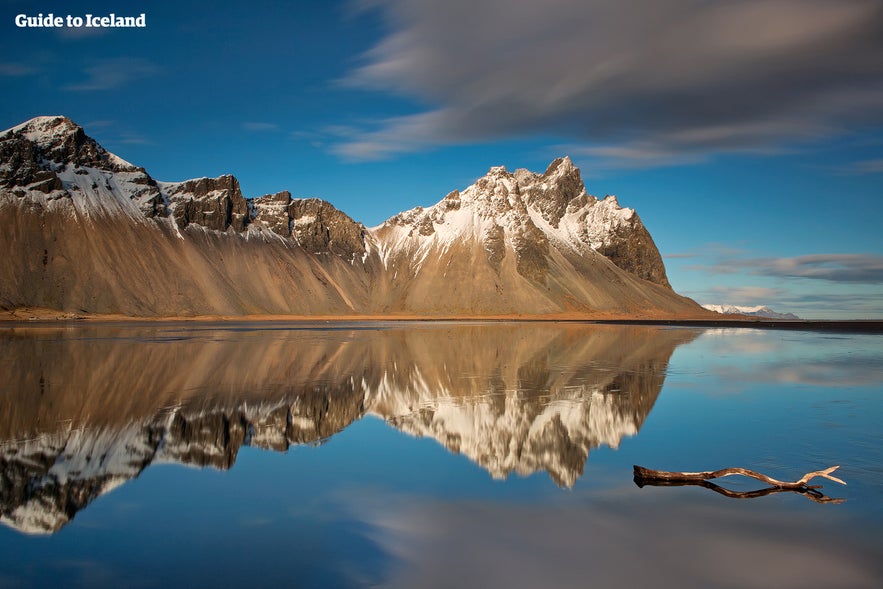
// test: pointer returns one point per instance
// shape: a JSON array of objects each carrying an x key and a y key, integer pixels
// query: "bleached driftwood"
[
  {"x": 647, "y": 476},
  {"x": 650, "y": 474}
]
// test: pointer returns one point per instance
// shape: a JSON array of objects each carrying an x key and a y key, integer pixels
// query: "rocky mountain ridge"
[
  {"x": 511, "y": 243},
  {"x": 532, "y": 210}
]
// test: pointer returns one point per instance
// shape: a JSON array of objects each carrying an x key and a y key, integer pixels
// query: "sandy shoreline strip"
[{"x": 43, "y": 316}]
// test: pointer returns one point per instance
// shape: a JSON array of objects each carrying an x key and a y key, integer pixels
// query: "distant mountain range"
[
  {"x": 89, "y": 232},
  {"x": 758, "y": 311}
]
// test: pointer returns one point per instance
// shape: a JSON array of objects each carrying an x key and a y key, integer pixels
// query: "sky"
[{"x": 747, "y": 134}]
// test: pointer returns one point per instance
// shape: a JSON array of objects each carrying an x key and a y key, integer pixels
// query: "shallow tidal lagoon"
[{"x": 433, "y": 455}]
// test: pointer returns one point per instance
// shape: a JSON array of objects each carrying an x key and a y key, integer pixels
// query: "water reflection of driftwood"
[{"x": 661, "y": 478}]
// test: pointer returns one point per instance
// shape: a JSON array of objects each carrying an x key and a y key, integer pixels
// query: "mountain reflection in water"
[{"x": 88, "y": 408}]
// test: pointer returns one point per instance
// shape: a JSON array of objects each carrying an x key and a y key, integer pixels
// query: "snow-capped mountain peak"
[
  {"x": 62, "y": 141},
  {"x": 755, "y": 311},
  {"x": 510, "y": 243},
  {"x": 523, "y": 211}
]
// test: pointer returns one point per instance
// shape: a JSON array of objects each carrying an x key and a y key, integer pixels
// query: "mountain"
[
  {"x": 88, "y": 410},
  {"x": 93, "y": 233},
  {"x": 758, "y": 311}
]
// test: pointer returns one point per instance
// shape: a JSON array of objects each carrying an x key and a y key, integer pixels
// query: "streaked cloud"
[
  {"x": 636, "y": 84},
  {"x": 113, "y": 73},
  {"x": 874, "y": 166},
  {"x": 828, "y": 304},
  {"x": 864, "y": 268},
  {"x": 133, "y": 139},
  {"x": 16, "y": 70},
  {"x": 745, "y": 295},
  {"x": 259, "y": 126},
  {"x": 115, "y": 133},
  {"x": 98, "y": 124}
]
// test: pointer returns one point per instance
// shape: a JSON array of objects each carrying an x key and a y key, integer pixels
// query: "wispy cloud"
[
  {"x": 745, "y": 295},
  {"x": 17, "y": 70},
  {"x": 859, "y": 268},
  {"x": 114, "y": 133},
  {"x": 847, "y": 268},
  {"x": 811, "y": 286},
  {"x": 98, "y": 124},
  {"x": 859, "y": 168},
  {"x": 636, "y": 84},
  {"x": 259, "y": 127},
  {"x": 393, "y": 136},
  {"x": 638, "y": 154},
  {"x": 718, "y": 251},
  {"x": 864, "y": 304},
  {"x": 113, "y": 73},
  {"x": 131, "y": 139}
]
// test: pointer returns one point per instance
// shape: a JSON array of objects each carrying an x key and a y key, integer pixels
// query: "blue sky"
[{"x": 747, "y": 134}]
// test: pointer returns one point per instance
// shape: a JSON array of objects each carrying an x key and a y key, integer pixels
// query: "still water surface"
[{"x": 433, "y": 455}]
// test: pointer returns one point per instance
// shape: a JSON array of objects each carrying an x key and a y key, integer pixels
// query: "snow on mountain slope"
[
  {"x": 521, "y": 243},
  {"x": 519, "y": 210},
  {"x": 59, "y": 167},
  {"x": 515, "y": 241},
  {"x": 755, "y": 311}
]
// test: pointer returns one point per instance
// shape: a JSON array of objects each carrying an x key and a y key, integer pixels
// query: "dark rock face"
[
  {"x": 72, "y": 146},
  {"x": 495, "y": 246},
  {"x": 154, "y": 206},
  {"x": 452, "y": 200},
  {"x": 632, "y": 249},
  {"x": 628, "y": 245},
  {"x": 34, "y": 155},
  {"x": 558, "y": 186},
  {"x": 272, "y": 211},
  {"x": 531, "y": 252},
  {"x": 62, "y": 140},
  {"x": 22, "y": 167},
  {"x": 214, "y": 203},
  {"x": 320, "y": 228},
  {"x": 425, "y": 226}
]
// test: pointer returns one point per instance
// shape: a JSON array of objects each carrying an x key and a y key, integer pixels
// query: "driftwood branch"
[{"x": 647, "y": 476}]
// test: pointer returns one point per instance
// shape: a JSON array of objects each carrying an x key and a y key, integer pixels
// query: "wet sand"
[{"x": 710, "y": 319}]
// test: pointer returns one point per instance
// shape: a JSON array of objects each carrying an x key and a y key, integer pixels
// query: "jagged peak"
[
  {"x": 499, "y": 191},
  {"x": 62, "y": 140},
  {"x": 611, "y": 200},
  {"x": 47, "y": 131},
  {"x": 558, "y": 168},
  {"x": 497, "y": 171},
  {"x": 562, "y": 170},
  {"x": 50, "y": 125},
  {"x": 224, "y": 180},
  {"x": 560, "y": 165}
]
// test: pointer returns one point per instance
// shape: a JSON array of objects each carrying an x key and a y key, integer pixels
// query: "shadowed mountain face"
[
  {"x": 93, "y": 233},
  {"x": 88, "y": 408}
]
